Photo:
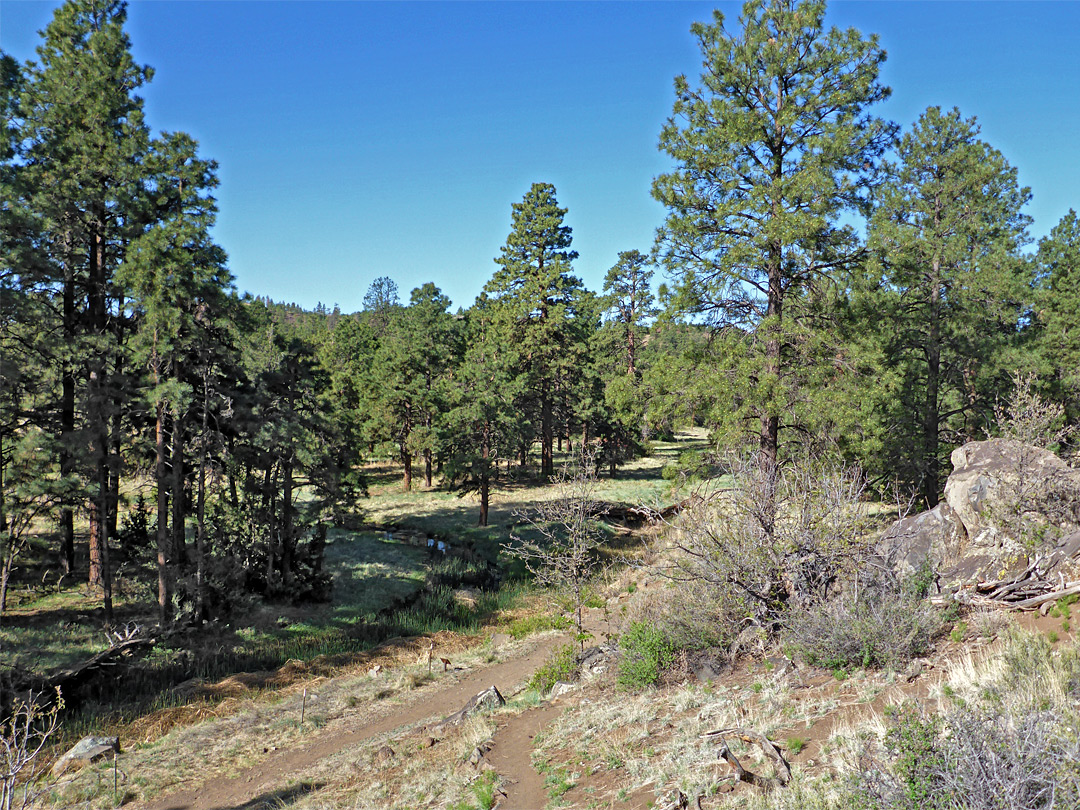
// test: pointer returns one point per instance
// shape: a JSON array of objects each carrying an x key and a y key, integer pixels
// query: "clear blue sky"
[{"x": 361, "y": 139}]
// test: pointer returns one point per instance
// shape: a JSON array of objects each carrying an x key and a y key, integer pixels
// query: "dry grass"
[{"x": 178, "y": 746}]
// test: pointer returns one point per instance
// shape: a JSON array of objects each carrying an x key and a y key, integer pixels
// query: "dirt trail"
[
  {"x": 511, "y": 752},
  {"x": 275, "y": 771},
  {"x": 511, "y": 756}
]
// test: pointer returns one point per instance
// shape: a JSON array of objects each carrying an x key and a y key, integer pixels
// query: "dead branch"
[
  {"x": 1035, "y": 601},
  {"x": 770, "y": 748}
]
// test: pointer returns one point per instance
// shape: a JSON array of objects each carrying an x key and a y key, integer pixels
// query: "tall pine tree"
[
  {"x": 533, "y": 300},
  {"x": 776, "y": 143},
  {"x": 85, "y": 141},
  {"x": 951, "y": 290}
]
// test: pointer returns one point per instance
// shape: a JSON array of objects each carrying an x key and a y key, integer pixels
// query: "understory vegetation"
[{"x": 242, "y": 499}]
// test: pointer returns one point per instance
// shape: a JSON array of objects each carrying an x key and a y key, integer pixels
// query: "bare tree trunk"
[
  {"x": 200, "y": 507},
  {"x": 161, "y": 480},
  {"x": 179, "y": 523},
  {"x": 269, "y": 491},
  {"x": 67, "y": 415},
  {"x": 287, "y": 539},
  {"x": 406, "y": 459},
  {"x": 932, "y": 477},
  {"x": 547, "y": 439},
  {"x": 484, "y": 483}
]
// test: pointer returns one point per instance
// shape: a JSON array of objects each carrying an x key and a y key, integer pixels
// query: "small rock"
[
  {"x": 86, "y": 751},
  {"x": 561, "y": 688},
  {"x": 384, "y": 755}
]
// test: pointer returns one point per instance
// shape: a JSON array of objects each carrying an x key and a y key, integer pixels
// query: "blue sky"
[{"x": 360, "y": 139}]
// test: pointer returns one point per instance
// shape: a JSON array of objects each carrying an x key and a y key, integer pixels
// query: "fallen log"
[{"x": 1035, "y": 601}]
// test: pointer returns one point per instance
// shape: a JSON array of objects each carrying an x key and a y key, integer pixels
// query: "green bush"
[
  {"x": 646, "y": 653},
  {"x": 561, "y": 666}
]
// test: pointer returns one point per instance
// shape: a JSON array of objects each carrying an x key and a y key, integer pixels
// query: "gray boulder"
[
  {"x": 487, "y": 700},
  {"x": 1005, "y": 503},
  {"x": 1004, "y": 487},
  {"x": 937, "y": 534},
  {"x": 86, "y": 751}
]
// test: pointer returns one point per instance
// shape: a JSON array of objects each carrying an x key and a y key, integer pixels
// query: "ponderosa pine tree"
[
  {"x": 950, "y": 289},
  {"x": 483, "y": 423},
  {"x": 83, "y": 182},
  {"x": 435, "y": 340},
  {"x": 179, "y": 285},
  {"x": 532, "y": 301},
  {"x": 775, "y": 144},
  {"x": 618, "y": 406},
  {"x": 1058, "y": 312},
  {"x": 629, "y": 298},
  {"x": 380, "y": 303},
  {"x": 416, "y": 350}
]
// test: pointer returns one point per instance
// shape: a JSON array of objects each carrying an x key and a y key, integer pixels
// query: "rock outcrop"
[{"x": 1006, "y": 505}]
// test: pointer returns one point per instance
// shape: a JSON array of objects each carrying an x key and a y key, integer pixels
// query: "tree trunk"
[
  {"x": 547, "y": 439},
  {"x": 116, "y": 449},
  {"x": 200, "y": 506},
  {"x": 67, "y": 414},
  {"x": 287, "y": 540},
  {"x": 931, "y": 478},
  {"x": 99, "y": 527},
  {"x": 234, "y": 492},
  {"x": 269, "y": 491},
  {"x": 161, "y": 480},
  {"x": 406, "y": 459},
  {"x": 179, "y": 523},
  {"x": 769, "y": 439},
  {"x": 99, "y": 422},
  {"x": 484, "y": 482}
]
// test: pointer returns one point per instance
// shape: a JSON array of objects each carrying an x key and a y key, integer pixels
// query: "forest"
[{"x": 835, "y": 285}]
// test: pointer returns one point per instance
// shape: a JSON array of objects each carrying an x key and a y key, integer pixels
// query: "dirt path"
[
  {"x": 511, "y": 756},
  {"x": 275, "y": 771}
]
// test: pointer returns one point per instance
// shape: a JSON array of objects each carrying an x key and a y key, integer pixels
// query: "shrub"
[
  {"x": 884, "y": 627},
  {"x": 688, "y": 615},
  {"x": 977, "y": 757},
  {"x": 561, "y": 666},
  {"x": 646, "y": 653},
  {"x": 770, "y": 537},
  {"x": 1009, "y": 742}
]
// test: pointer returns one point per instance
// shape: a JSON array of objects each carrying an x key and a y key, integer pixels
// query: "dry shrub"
[
  {"x": 771, "y": 539},
  {"x": 686, "y": 614},
  {"x": 977, "y": 757},
  {"x": 884, "y": 626},
  {"x": 1007, "y": 742}
]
